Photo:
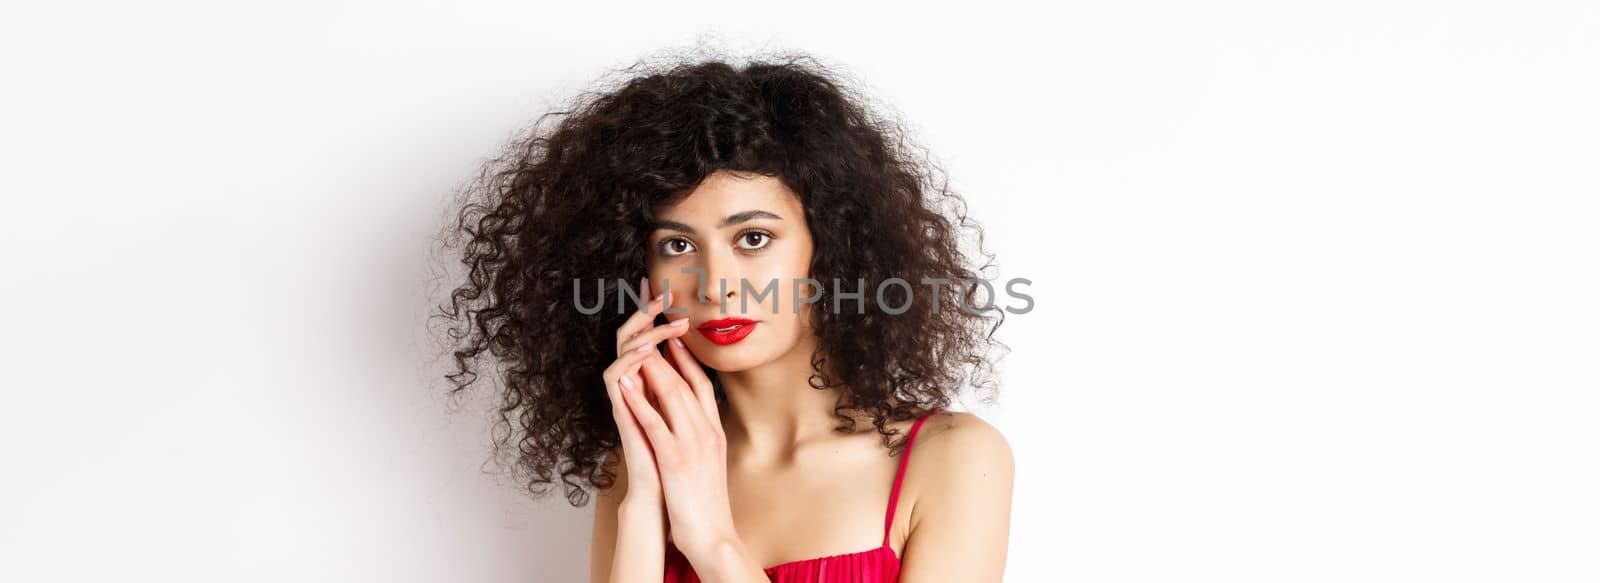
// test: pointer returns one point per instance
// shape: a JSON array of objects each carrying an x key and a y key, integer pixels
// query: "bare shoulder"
[
  {"x": 958, "y": 455},
  {"x": 961, "y": 441},
  {"x": 962, "y": 470}
]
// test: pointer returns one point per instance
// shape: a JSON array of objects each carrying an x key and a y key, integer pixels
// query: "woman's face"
[{"x": 735, "y": 248}]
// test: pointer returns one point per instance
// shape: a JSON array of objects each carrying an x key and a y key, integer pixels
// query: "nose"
[{"x": 722, "y": 278}]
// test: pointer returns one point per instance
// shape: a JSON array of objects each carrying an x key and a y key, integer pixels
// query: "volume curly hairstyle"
[{"x": 571, "y": 199}]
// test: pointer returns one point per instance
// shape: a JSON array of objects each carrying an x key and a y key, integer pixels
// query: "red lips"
[{"x": 726, "y": 331}]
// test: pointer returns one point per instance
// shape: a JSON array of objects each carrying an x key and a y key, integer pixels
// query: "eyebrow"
[{"x": 733, "y": 219}]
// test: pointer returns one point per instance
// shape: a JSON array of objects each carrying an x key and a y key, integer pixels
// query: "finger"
[
  {"x": 700, "y": 390},
  {"x": 615, "y": 376},
  {"x": 634, "y": 443},
  {"x": 624, "y": 364},
  {"x": 638, "y": 322},
  {"x": 655, "y": 428},
  {"x": 640, "y": 353},
  {"x": 689, "y": 368},
  {"x": 623, "y": 373},
  {"x": 628, "y": 425},
  {"x": 641, "y": 319},
  {"x": 625, "y": 367},
  {"x": 673, "y": 394},
  {"x": 654, "y": 336},
  {"x": 658, "y": 305}
]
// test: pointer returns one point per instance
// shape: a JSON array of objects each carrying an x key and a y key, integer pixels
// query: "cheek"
[
  {"x": 791, "y": 262},
  {"x": 682, "y": 284}
]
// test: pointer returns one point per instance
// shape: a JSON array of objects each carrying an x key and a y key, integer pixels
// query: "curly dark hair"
[{"x": 571, "y": 200}]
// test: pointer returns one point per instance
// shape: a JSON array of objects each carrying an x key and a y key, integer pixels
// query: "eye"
[
  {"x": 675, "y": 246},
  {"x": 754, "y": 240}
]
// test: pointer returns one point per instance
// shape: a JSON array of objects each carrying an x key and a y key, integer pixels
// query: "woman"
[{"x": 811, "y": 314}]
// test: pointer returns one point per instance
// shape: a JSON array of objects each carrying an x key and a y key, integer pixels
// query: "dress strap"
[{"x": 900, "y": 474}]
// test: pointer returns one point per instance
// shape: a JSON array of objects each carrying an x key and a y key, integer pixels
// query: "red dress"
[{"x": 879, "y": 565}]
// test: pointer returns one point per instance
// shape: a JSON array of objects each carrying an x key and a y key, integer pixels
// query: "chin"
[
  {"x": 735, "y": 357},
  {"x": 726, "y": 359}
]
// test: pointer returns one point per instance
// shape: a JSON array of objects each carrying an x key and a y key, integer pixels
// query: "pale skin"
[{"x": 764, "y": 479}]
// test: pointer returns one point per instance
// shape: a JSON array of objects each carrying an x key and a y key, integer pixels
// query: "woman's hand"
[
  {"x": 636, "y": 341},
  {"x": 684, "y": 430}
]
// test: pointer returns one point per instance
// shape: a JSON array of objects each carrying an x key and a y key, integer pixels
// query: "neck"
[{"x": 772, "y": 408}]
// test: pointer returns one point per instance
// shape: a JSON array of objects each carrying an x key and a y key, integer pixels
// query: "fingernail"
[
  {"x": 643, "y": 347},
  {"x": 677, "y": 342},
  {"x": 681, "y": 323},
  {"x": 627, "y": 385}
]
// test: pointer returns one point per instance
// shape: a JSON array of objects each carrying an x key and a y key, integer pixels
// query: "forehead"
[{"x": 724, "y": 193}]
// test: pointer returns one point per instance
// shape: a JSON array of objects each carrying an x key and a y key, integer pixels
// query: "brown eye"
[
  {"x": 675, "y": 246},
  {"x": 753, "y": 240}
]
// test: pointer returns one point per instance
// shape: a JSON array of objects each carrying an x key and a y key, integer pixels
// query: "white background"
[{"x": 1317, "y": 287}]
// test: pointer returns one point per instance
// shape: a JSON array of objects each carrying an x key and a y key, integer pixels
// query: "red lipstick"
[{"x": 726, "y": 331}]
